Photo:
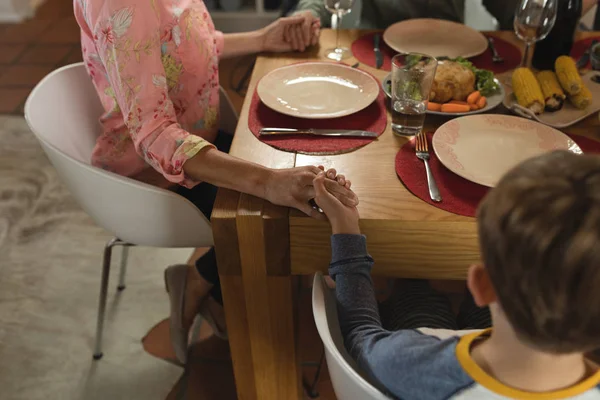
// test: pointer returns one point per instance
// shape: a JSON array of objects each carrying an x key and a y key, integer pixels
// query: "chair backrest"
[
  {"x": 63, "y": 111},
  {"x": 348, "y": 383}
]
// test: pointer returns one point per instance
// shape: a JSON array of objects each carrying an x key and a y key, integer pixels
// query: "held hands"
[
  {"x": 342, "y": 215},
  {"x": 293, "y": 187},
  {"x": 294, "y": 33}
]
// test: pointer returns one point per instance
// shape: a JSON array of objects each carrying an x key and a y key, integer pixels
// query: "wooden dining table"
[{"x": 261, "y": 247}]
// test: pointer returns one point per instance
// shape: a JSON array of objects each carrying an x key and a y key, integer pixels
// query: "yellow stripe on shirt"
[{"x": 463, "y": 354}]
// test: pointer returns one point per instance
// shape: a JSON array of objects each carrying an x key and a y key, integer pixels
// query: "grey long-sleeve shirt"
[
  {"x": 379, "y": 14},
  {"x": 415, "y": 364}
]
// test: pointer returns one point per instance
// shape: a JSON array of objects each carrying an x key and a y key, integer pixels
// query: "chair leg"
[
  {"x": 311, "y": 388},
  {"x": 103, "y": 294},
  {"x": 123, "y": 271}
]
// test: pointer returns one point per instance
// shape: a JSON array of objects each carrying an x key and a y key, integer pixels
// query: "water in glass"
[{"x": 412, "y": 77}]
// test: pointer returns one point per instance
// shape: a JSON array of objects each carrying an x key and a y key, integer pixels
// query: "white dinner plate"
[
  {"x": 435, "y": 37},
  {"x": 482, "y": 148},
  {"x": 317, "y": 90}
]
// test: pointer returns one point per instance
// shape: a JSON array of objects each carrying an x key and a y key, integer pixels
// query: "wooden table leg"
[
  {"x": 239, "y": 337},
  {"x": 270, "y": 294},
  {"x": 230, "y": 272}
]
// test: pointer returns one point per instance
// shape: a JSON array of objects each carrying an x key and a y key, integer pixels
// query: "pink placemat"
[
  {"x": 373, "y": 118},
  {"x": 580, "y": 46},
  {"x": 362, "y": 49},
  {"x": 459, "y": 196}
]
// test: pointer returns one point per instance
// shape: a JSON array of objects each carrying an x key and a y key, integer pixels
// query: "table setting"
[
  {"x": 437, "y": 68},
  {"x": 318, "y": 108},
  {"x": 337, "y": 108}
]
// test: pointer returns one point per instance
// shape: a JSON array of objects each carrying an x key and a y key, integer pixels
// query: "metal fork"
[
  {"x": 423, "y": 154},
  {"x": 496, "y": 58}
]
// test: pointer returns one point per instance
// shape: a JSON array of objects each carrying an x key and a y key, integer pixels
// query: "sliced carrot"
[
  {"x": 473, "y": 98},
  {"x": 455, "y": 108},
  {"x": 431, "y": 106},
  {"x": 481, "y": 102},
  {"x": 473, "y": 107},
  {"x": 464, "y": 103}
]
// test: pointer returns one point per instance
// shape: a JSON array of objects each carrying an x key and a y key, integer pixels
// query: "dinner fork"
[
  {"x": 423, "y": 154},
  {"x": 496, "y": 58}
]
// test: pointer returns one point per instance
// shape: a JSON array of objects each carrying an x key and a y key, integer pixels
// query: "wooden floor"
[
  {"x": 209, "y": 374},
  {"x": 30, "y": 50}
]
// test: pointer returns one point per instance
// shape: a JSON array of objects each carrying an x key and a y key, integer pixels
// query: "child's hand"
[{"x": 343, "y": 219}]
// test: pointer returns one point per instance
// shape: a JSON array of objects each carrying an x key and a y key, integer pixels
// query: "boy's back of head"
[{"x": 539, "y": 232}]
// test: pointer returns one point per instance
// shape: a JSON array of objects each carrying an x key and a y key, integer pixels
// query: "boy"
[{"x": 539, "y": 233}]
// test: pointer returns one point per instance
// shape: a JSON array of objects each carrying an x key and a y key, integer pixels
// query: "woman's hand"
[
  {"x": 294, "y": 33},
  {"x": 294, "y": 188},
  {"x": 342, "y": 216},
  {"x": 304, "y": 35}
]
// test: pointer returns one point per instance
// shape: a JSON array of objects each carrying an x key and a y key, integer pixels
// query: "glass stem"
[
  {"x": 526, "y": 54},
  {"x": 337, "y": 31}
]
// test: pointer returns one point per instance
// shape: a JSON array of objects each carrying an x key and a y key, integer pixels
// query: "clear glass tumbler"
[{"x": 412, "y": 77}]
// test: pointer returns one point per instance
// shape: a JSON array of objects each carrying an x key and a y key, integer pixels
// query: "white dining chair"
[
  {"x": 62, "y": 112},
  {"x": 348, "y": 383}
]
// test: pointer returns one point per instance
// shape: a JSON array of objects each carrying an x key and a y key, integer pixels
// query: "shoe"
[{"x": 175, "y": 283}]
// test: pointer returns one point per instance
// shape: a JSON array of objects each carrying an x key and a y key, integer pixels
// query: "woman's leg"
[
  {"x": 203, "y": 196},
  {"x": 414, "y": 304},
  {"x": 203, "y": 274}
]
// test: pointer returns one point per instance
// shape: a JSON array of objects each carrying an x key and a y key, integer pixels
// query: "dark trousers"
[
  {"x": 417, "y": 305},
  {"x": 203, "y": 196}
]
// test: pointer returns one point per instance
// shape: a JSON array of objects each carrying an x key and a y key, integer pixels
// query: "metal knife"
[
  {"x": 377, "y": 51},
  {"x": 585, "y": 58},
  {"x": 316, "y": 132}
]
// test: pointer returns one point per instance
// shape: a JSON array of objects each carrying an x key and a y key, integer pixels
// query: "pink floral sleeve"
[{"x": 128, "y": 39}]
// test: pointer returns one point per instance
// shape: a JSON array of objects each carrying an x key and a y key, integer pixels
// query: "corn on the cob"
[
  {"x": 567, "y": 74},
  {"x": 553, "y": 93},
  {"x": 527, "y": 90},
  {"x": 582, "y": 99}
]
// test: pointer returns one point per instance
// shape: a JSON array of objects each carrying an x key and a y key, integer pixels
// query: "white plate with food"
[
  {"x": 454, "y": 86},
  {"x": 482, "y": 148},
  {"x": 317, "y": 90},
  {"x": 546, "y": 98},
  {"x": 435, "y": 37}
]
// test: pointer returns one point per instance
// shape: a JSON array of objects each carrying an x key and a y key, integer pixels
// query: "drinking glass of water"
[
  {"x": 534, "y": 20},
  {"x": 339, "y": 8},
  {"x": 412, "y": 77}
]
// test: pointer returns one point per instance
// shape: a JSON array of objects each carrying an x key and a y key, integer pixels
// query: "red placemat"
[
  {"x": 508, "y": 51},
  {"x": 459, "y": 196},
  {"x": 580, "y": 46},
  {"x": 362, "y": 49},
  {"x": 373, "y": 118}
]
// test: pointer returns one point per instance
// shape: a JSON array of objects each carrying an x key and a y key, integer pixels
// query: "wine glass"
[
  {"x": 534, "y": 20},
  {"x": 339, "y": 8}
]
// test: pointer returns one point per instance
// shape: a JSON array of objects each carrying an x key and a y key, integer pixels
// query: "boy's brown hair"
[{"x": 539, "y": 233}]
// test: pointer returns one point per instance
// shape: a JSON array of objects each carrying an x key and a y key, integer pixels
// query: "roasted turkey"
[{"x": 452, "y": 81}]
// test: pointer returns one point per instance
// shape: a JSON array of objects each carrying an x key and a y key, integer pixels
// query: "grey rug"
[{"x": 50, "y": 255}]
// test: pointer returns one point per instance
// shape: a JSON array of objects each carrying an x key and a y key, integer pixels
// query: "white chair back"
[
  {"x": 348, "y": 384},
  {"x": 63, "y": 111}
]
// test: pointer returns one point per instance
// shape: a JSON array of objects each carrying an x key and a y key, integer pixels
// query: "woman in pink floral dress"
[{"x": 154, "y": 64}]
